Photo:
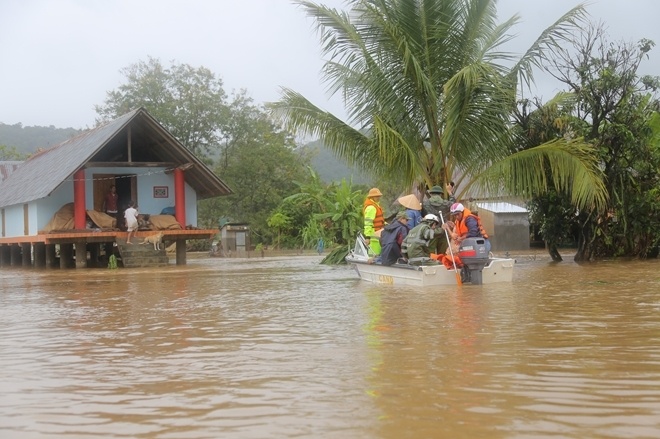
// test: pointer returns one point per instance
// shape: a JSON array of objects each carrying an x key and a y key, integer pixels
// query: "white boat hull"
[{"x": 496, "y": 270}]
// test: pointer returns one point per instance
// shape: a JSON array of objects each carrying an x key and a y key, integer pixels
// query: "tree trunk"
[
  {"x": 554, "y": 253},
  {"x": 585, "y": 245}
]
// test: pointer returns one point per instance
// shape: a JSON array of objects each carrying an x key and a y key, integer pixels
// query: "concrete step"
[{"x": 142, "y": 255}]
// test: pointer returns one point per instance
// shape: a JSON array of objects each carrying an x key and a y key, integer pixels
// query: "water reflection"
[{"x": 285, "y": 347}]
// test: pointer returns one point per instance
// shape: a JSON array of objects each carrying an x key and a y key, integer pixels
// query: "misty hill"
[
  {"x": 28, "y": 139},
  {"x": 330, "y": 168}
]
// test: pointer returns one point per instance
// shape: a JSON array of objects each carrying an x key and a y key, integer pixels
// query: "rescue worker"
[
  {"x": 435, "y": 205},
  {"x": 374, "y": 220},
  {"x": 392, "y": 237},
  {"x": 416, "y": 245},
  {"x": 468, "y": 225}
]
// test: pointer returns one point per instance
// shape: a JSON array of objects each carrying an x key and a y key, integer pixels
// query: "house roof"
[
  {"x": 501, "y": 207},
  {"x": 7, "y": 168},
  {"x": 108, "y": 145}
]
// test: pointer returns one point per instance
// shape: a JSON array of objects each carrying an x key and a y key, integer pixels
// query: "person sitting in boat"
[
  {"x": 468, "y": 225},
  {"x": 374, "y": 220},
  {"x": 413, "y": 209},
  {"x": 415, "y": 246},
  {"x": 391, "y": 238},
  {"x": 450, "y": 257}
]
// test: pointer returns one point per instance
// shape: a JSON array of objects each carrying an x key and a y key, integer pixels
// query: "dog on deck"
[{"x": 156, "y": 239}]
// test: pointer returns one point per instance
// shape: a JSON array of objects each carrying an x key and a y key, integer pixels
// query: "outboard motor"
[{"x": 475, "y": 257}]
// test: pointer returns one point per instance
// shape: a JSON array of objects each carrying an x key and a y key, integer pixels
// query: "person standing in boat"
[
  {"x": 436, "y": 205},
  {"x": 392, "y": 237},
  {"x": 468, "y": 225},
  {"x": 374, "y": 220},
  {"x": 417, "y": 244}
]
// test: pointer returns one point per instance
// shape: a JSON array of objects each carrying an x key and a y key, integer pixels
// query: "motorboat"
[{"x": 479, "y": 267}]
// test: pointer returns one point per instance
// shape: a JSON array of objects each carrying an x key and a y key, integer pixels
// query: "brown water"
[{"x": 285, "y": 347}]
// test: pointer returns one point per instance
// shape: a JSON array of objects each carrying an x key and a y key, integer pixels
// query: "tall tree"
[
  {"x": 430, "y": 92},
  {"x": 190, "y": 102},
  {"x": 261, "y": 164},
  {"x": 616, "y": 109}
]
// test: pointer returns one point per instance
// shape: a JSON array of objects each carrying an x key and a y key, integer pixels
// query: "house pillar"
[
  {"x": 80, "y": 210},
  {"x": 81, "y": 253},
  {"x": 26, "y": 252},
  {"x": 180, "y": 251},
  {"x": 179, "y": 197},
  {"x": 5, "y": 255}
]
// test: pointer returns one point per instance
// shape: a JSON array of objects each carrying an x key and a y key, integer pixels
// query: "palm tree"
[{"x": 430, "y": 94}]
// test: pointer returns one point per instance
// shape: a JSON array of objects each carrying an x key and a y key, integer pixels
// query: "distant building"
[{"x": 507, "y": 225}]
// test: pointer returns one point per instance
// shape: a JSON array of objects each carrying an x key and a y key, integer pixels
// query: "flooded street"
[{"x": 284, "y": 347}]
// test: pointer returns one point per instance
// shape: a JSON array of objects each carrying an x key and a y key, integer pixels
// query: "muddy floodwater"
[{"x": 286, "y": 348}]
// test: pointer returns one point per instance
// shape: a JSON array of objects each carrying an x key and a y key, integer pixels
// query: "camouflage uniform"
[{"x": 435, "y": 204}]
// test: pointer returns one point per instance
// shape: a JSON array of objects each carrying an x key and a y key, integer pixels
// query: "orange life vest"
[
  {"x": 462, "y": 228},
  {"x": 379, "y": 220}
]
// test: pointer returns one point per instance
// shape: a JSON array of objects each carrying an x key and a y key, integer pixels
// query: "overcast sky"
[{"x": 58, "y": 58}]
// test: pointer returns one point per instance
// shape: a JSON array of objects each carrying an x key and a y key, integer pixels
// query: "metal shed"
[
  {"x": 235, "y": 238},
  {"x": 506, "y": 224}
]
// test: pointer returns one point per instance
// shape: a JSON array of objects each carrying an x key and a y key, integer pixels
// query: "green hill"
[
  {"x": 330, "y": 168},
  {"x": 28, "y": 139}
]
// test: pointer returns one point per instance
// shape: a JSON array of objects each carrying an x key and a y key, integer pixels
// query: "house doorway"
[{"x": 126, "y": 185}]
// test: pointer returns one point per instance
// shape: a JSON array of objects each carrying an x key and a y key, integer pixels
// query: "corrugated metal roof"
[
  {"x": 501, "y": 207},
  {"x": 7, "y": 168},
  {"x": 44, "y": 171}
]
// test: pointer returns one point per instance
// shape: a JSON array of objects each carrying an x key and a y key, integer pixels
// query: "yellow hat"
[
  {"x": 374, "y": 192},
  {"x": 410, "y": 202}
]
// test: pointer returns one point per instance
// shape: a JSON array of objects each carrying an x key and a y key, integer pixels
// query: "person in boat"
[
  {"x": 467, "y": 225},
  {"x": 436, "y": 205},
  {"x": 450, "y": 257},
  {"x": 416, "y": 245},
  {"x": 392, "y": 237},
  {"x": 374, "y": 220},
  {"x": 413, "y": 209}
]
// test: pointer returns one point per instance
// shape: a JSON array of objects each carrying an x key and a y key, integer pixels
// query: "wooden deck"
[{"x": 75, "y": 245}]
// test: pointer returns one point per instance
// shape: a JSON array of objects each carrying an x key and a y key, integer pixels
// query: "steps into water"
[{"x": 141, "y": 255}]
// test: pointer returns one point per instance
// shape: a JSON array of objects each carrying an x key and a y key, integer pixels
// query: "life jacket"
[
  {"x": 379, "y": 220},
  {"x": 462, "y": 228}
]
